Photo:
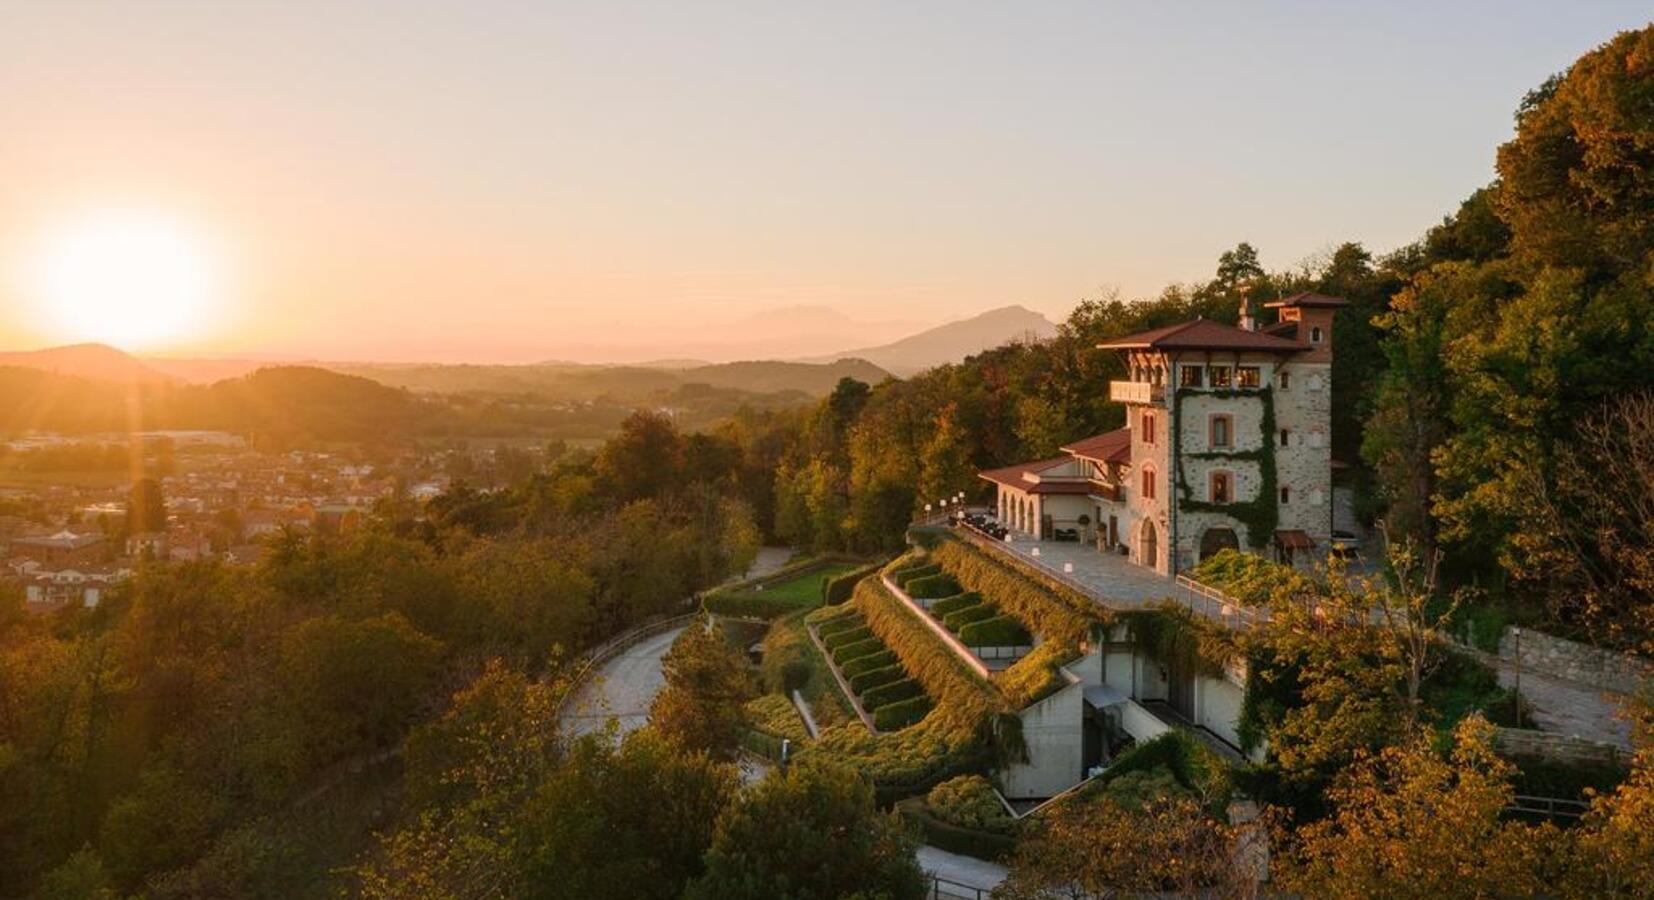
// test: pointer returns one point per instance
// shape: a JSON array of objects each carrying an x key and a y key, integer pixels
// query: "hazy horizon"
[{"x": 502, "y": 182}]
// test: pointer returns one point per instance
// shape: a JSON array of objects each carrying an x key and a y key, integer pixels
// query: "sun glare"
[{"x": 129, "y": 279}]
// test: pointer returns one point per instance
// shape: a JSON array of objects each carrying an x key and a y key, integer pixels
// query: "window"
[
  {"x": 1316, "y": 439},
  {"x": 1148, "y": 483},
  {"x": 1315, "y": 335},
  {"x": 1315, "y": 498},
  {"x": 1314, "y": 382},
  {"x": 1286, "y": 381},
  {"x": 1246, "y": 376},
  {"x": 1220, "y": 376},
  {"x": 1286, "y": 495},
  {"x": 1219, "y": 430},
  {"x": 1191, "y": 376},
  {"x": 1221, "y": 487},
  {"x": 1148, "y": 428},
  {"x": 1286, "y": 433}
]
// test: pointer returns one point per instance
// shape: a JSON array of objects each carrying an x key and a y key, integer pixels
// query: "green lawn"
[{"x": 802, "y": 591}]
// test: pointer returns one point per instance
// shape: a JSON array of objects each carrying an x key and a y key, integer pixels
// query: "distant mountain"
[
  {"x": 770, "y": 376},
  {"x": 97, "y": 362},
  {"x": 954, "y": 341},
  {"x": 566, "y": 381}
]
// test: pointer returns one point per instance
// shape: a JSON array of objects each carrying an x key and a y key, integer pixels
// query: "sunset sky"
[{"x": 513, "y": 181}]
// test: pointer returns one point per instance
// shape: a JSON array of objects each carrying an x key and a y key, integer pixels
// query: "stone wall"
[
  {"x": 1573, "y": 661},
  {"x": 1556, "y": 747}
]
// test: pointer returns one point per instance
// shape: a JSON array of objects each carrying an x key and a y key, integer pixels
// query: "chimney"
[{"x": 1247, "y": 322}]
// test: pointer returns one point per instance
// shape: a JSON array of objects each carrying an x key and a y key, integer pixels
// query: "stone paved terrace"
[{"x": 1110, "y": 578}]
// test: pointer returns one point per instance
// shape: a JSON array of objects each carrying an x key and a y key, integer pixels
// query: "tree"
[
  {"x": 945, "y": 462},
  {"x": 146, "y": 507},
  {"x": 1409, "y": 823},
  {"x": 645, "y": 460},
  {"x": 1109, "y": 846},
  {"x": 1238, "y": 266},
  {"x": 809, "y": 832},
  {"x": 702, "y": 707},
  {"x": 1613, "y": 847}
]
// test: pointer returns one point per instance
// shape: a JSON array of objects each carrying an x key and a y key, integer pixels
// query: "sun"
[{"x": 131, "y": 279}]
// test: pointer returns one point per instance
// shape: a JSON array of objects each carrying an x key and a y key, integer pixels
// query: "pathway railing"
[
  {"x": 613, "y": 647},
  {"x": 944, "y": 889}
]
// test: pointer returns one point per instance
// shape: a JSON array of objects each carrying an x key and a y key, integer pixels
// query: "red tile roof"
[
  {"x": 1293, "y": 539},
  {"x": 1110, "y": 446},
  {"x": 1011, "y": 476},
  {"x": 1203, "y": 334},
  {"x": 1309, "y": 299}
]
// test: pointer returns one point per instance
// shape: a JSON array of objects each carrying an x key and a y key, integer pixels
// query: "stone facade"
[{"x": 1572, "y": 661}]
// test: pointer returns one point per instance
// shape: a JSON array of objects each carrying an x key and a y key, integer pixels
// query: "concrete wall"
[
  {"x": 1573, "y": 661},
  {"x": 1052, "y": 730},
  {"x": 1218, "y": 707}
]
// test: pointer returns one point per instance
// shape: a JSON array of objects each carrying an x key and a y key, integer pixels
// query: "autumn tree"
[
  {"x": 809, "y": 832},
  {"x": 707, "y": 685}
]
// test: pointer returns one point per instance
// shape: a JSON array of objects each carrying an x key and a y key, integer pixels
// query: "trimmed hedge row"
[
  {"x": 843, "y": 621},
  {"x": 962, "y": 697},
  {"x": 844, "y": 636},
  {"x": 866, "y": 681},
  {"x": 748, "y": 606},
  {"x": 894, "y": 716},
  {"x": 958, "y": 601},
  {"x": 932, "y": 587},
  {"x": 858, "y": 650},
  {"x": 895, "y": 692},
  {"x": 868, "y": 664},
  {"x": 960, "y": 618},
  {"x": 905, "y": 577},
  {"x": 1055, "y": 613},
  {"x": 974, "y": 842},
  {"x": 999, "y": 631},
  {"x": 838, "y": 589}
]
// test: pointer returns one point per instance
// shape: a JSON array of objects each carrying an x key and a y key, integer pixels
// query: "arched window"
[
  {"x": 1316, "y": 439},
  {"x": 1315, "y": 335},
  {"x": 1314, "y": 382},
  {"x": 1315, "y": 498},
  {"x": 1286, "y": 495}
]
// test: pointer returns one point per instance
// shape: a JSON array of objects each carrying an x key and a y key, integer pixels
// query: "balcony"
[{"x": 1141, "y": 392}]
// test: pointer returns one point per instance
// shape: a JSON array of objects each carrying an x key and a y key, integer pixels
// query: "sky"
[{"x": 511, "y": 181}]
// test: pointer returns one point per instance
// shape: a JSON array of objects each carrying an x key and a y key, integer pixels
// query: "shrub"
[
  {"x": 956, "y": 602},
  {"x": 932, "y": 586},
  {"x": 1249, "y": 578},
  {"x": 868, "y": 663},
  {"x": 980, "y": 844},
  {"x": 999, "y": 631},
  {"x": 900, "y": 715},
  {"x": 894, "y": 692},
  {"x": 905, "y": 577},
  {"x": 969, "y": 801},
  {"x": 838, "y": 589},
  {"x": 795, "y": 674},
  {"x": 748, "y": 606},
  {"x": 1035, "y": 676},
  {"x": 868, "y": 680},
  {"x": 840, "y": 623},
  {"x": 963, "y": 698},
  {"x": 848, "y": 636},
  {"x": 775, "y": 715},
  {"x": 857, "y": 650},
  {"x": 959, "y": 618}
]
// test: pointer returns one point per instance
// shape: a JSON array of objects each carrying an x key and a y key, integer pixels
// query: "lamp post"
[{"x": 1516, "y": 635}]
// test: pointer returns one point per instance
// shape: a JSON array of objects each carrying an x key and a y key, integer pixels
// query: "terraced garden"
[
  {"x": 771, "y": 598},
  {"x": 874, "y": 673}
]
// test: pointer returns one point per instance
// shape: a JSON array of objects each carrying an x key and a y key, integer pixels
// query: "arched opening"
[
  {"x": 1216, "y": 539},
  {"x": 1148, "y": 547}
]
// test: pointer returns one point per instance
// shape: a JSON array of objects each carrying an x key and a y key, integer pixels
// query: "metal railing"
[
  {"x": 944, "y": 889},
  {"x": 1213, "y": 603},
  {"x": 1552, "y": 807}
]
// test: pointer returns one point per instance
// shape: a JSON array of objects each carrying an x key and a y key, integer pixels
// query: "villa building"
[{"x": 1227, "y": 444}]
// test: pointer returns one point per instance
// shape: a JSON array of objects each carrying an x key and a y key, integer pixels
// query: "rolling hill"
[{"x": 97, "y": 362}]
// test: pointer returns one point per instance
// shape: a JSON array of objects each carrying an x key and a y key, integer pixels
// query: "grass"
[{"x": 801, "y": 591}]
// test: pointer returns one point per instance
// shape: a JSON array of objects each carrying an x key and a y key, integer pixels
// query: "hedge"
[
  {"x": 843, "y": 622},
  {"x": 904, "y": 577},
  {"x": 900, "y": 715},
  {"x": 963, "y": 698},
  {"x": 1053, "y": 612},
  {"x": 868, "y": 664},
  {"x": 999, "y": 631},
  {"x": 858, "y": 650},
  {"x": 973, "y": 842},
  {"x": 838, "y": 589},
  {"x": 932, "y": 587},
  {"x": 1037, "y": 675},
  {"x": 748, "y": 606},
  {"x": 789, "y": 655},
  {"x": 866, "y": 681},
  {"x": 775, "y": 715},
  {"x": 960, "y": 618},
  {"x": 847, "y": 636},
  {"x": 895, "y": 692},
  {"x": 958, "y": 601}
]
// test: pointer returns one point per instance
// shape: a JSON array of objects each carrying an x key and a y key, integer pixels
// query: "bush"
[
  {"x": 838, "y": 589},
  {"x": 847, "y": 636},
  {"x": 932, "y": 587},
  {"x": 794, "y": 675},
  {"x": 841, "y": 622},
  {"x": 857, "y": 650},
  {"x": 894, "y": 692},
  {"x": 953, "y": 838},
  {"x": 969, "y": 801},
  {"x": 775, "y": 715},
  {"x": 959, "y": 618},
  {"x": 1249, "y": 578},
  {"x": 868, "y": 663},
  {"x": 748, "y": 606},
  {"x": 956, "y": 602},
  {"x": 866, "y": 681},
  {"x": 905, "y": 577},
  {"x": 999, "y": 631},
  {"x": 900, "y": 715},
  {"x": 964, "y": 698}
]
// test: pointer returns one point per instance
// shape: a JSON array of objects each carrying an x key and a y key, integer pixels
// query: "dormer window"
[{"x": 1315, "y": 334}]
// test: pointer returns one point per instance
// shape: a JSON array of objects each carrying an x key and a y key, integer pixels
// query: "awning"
[{"x": 1293, "y": 539}]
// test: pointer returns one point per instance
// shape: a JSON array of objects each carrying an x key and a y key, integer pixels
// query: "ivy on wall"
[{"x": 1261, "y": 515}]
